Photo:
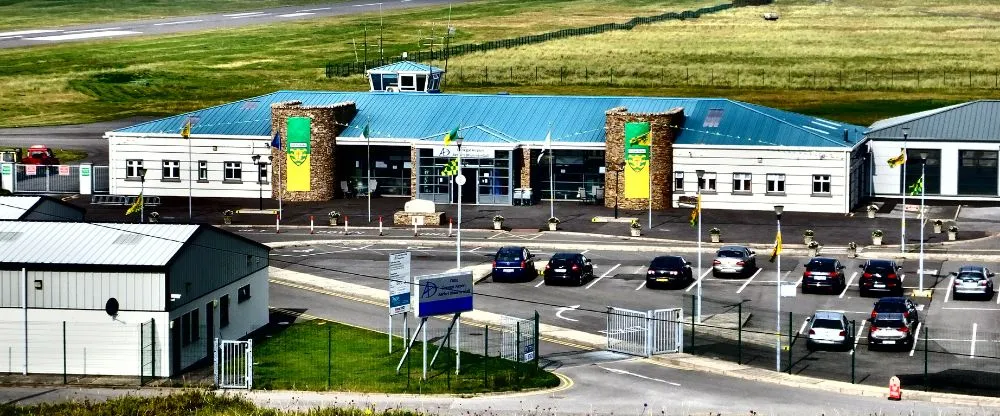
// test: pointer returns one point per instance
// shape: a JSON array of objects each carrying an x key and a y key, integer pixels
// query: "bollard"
[
  {"x": 379, "y": 225},
  {"x": 311, "y": 230},
  {"x": 345, "y": 225},
  {"x": 277, "y": 224},
  {"x": 449, "y": 227},
  {"x": 894, "y": 390}
]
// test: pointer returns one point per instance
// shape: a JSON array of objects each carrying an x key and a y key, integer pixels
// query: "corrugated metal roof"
[
  {"x": 14, "y": 207},
  {"x": 519, "y": 118},
  {"x": 404, "y": 66},
  {"x": 971, "y": 121},
  {"x": 92, "y": 244}
]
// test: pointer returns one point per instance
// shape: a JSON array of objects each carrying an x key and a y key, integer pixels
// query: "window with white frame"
[
  {"x": 233, "y": 172},
  {"x": 203, "y": 171},
  {"x": 707, "y": 182},
  {"x": 132, "y": 167},
  {"x": 171, "y": 170},
  {"x": 678, "y": 181},
  {"x": 776, "y": 183},
  {"x": 741, "y": 183},
  {"x": 821, "y": 184}
]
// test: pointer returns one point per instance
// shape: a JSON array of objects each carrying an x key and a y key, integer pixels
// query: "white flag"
[{"x": 548, "y": 146}]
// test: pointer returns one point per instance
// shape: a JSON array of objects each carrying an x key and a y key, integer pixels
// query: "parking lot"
[{"x": 961, "y": 336}]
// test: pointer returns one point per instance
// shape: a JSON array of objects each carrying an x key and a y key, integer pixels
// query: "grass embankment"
[
  {"x": 182, "y": 404},
  {"x": 42, "y": 14},
  {"x": 321, "y": 355},
  {"x": 65, "y": 156}
]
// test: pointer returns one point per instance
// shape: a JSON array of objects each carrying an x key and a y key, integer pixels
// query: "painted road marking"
[
  {"x": 641, "y": 286},
  {"x": 182, "y": 22},
  {"x": 849, "y": 281},
  {"x": 697, "y": 282},
  {"x": 92, "y": 30},
  {"x": 314, "y": 10},
  {"x": 87, "y": 35},
  {"x": 585, "y": 251},
  {"x": 473, "y": 250},
  {"x": 251, "y": 15},
  {"x": 803, "y": 327},
  {"x": 971, "y": 309},
  {"x": 300, "y": 14},
  {"x": 540, "y": 283},
  {"x": 242, "y": 14},
  {"x": 951, "y": 285},
  {"x": 857, "y": 337},
  {"x": 366, "y": 5},
  {"x": 916, "y": 337},
  {"x": 972, "y": 350},
  {"x": 27, "y": 32},
  {"x": 603, "y": 276},
  {"x": 748, "y": 281},
  {"x": 629, "y": 373}
]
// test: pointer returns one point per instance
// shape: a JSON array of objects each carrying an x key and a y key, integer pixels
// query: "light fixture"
[
  {"x": 215, "y": 148},
  {"x": 700, "y": 173},
  {"x": 906, "y": 132},
  {"x": 923, "y": 155},
  {"x": 778, "y": 209},
  {"x": 38, "y": 284}
]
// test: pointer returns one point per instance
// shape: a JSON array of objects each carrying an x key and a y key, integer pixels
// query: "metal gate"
[
  {"x": 645, "y": 333},
  {"x": 101, "y": 183},
  {"x": 49, "y": 179},
  {"x": 233, "y": 364},
  {"x": 518, "y": 339}
]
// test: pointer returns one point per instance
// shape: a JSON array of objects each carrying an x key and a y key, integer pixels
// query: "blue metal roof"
[
  {"x": 519, "y": 118},
  {"x": 404, "y": 66}
]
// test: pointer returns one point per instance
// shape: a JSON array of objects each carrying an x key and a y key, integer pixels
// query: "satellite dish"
[{"x": 111, "y": 307}]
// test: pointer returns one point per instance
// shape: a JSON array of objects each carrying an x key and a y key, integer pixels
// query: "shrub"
[
  {"x": 877, "y": 233},
  {"x": 498, "y": 218},
  {"x": 554, "y": 220}
]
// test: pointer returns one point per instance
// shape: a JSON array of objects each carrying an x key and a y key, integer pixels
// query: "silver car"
[
  {"x": 829, "y": 329},
  {"x": 734, "y": 260},
  {"x": 891, "y": 330},
  {"x": 973, "y": 281}
]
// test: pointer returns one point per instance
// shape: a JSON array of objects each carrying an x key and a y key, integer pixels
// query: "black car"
[
  {"x": 880, "y": 276},
  {"x": 514, "y": 264},
  {"x": 825, "y": 274},
  {"x": 568, "y": 268},
  {"x": 896, "y": 304},
  {"x": 668, "y": 271}
]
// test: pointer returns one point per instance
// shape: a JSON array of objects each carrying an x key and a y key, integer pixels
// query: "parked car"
[
  {"x": 896, "y": 304},
  {"x": 40, "y": 155},
  {"x": 823, "y": 273},
  {"x": 568, "y": 268},
  {"x": 738, "y": 260},
  {"x": 891, "y": 329},
  {"x": 880, "y": 276},
  {"x": 514, "y": 264},
  {"x": 669, "y": 271},
  {"x": 973, "y": 281},
  {"x": 829, "y": 329}
]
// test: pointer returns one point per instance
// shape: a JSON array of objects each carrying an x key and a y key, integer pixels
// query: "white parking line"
[
  {"x": 972, "y": 350},
  {"x": 799, "y": 282},
  {"x": 540, "y": 283},
  {"x": 916, "y": 337},
  {"x": 585, "y": 251},
  {"x": 639, "y": 270},
  {"x": 748, "y": 281},
  {"x": 250, "y": 15},
  {"x": 695, "y": 283},
  {"x": 951, "y": 285},
  {"x": 182, "y": 22},
  {"x": 803, "y": 327},
  {"x": 92, "y": 30},
  {"x": 473, "y": 250},
  {"x": 857, "y": 337},
  {"x": 603, "y": 276},
  {"x": 242, "y": 14},
  {"x": 641, "y": 286},
  {"x": 314, "y": 10},
  {"x": 27, "y": 32},
  {"x": 295, "y": 14},
  {"x": 971, "y": 309},
  {"x": 848, "y": 285},
  {"x": 87, "y": 35}
]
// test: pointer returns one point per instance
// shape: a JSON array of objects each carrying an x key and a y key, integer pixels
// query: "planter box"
[
  {"x": 227, "y": 220},
  {"x": 497, "y": 225},
  {"x": 813, "y": 252},
  {"x": 553, "y": 226},
  {"x": 334, "y": 221},
  {"x": 937, "y": 228},
  {"x": 877, "y": 240},
  {"x": 852, "y": 252},
  {"x": 808, "y": 239},
  {"x": 871, "y": 214},
  {"x": 716, "y": 237},
  {"x": 635, "y": 232},
  {"x": 952, "y": 235}
]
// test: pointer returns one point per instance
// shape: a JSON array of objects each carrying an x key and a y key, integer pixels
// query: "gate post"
[
  {"x": 7, "y": 176},
  {"x": 215, "y": 361},
  {"x": 650, "y": 327},
  {"x": 86, "y": 183}
]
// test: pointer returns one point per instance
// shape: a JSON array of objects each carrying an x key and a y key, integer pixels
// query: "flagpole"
[
  {"x": 902, "y": 216},
  {"x": 920, "y": 267},
  {"x": 552, "y": 186},
  {"x": 649, "y": 183},
  {"x": 368, "y": 160},
  {"x": 190, "y": 209},
  {"x": 777, "y": 272}
]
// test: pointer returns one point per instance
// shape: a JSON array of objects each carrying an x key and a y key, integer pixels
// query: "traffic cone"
[{"x": 894, "y": 390}]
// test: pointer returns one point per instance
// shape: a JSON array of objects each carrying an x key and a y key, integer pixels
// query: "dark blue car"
[{"x": 513, "y": 264}]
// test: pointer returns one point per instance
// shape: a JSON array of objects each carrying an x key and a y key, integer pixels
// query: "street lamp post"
[
  {"x": 260, "y": 183},
  {"x": 778, "y": 209},
  {"x": 142, "y": 190},
  {"x": 459, "y": 180},
  {"x": 902, "y": 227},
  {"x": 923, "y": 221},
  {"x": 618, "y": 168},
  {"x": 697, "y": 308}
]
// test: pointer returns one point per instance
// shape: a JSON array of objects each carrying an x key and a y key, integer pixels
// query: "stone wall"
[
  {"x": 414, "y": 171},
  {"x": 525, "y": 167},
  {"x": 662, "y": 127},
  {"x": 327, "y": 123}
]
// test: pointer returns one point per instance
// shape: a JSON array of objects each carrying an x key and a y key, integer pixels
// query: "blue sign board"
[
  {"x": 444, "y": 294},
  {"x": 399, "y": 283}
]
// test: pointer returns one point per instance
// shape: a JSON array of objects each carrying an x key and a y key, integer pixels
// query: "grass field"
[
  {"x": 320, "y": 355},
  {"x": 851, "y": 60},
  {"x": 35, "y": 14}
]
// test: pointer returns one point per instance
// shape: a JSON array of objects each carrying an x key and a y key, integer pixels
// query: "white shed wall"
[
  {"x": 84, "y": 290},
  {"x": 154, "y": 150},
  {"x": 798, "y": 166}
]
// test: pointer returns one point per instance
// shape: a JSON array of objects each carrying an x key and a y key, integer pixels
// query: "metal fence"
[
  {"x": 147, "y": 351},
  {"x": 943, "y": 359},
  {"x": 233, "y": 364},
  {"x": 101, "y": 180},
  {"x": 347, "y": 69},
  {"x": 49, "y": 179}
]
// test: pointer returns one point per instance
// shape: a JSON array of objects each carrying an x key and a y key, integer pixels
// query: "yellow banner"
[
  {"x": 638, "y": 145},
  {"x": 298, "y": 154}
]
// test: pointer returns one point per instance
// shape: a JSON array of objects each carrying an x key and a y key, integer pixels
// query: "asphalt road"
[
  {"x": 964, "y": 335},
  {"x": 85, "y": 137},
  {"x": 51, "y": 35}
]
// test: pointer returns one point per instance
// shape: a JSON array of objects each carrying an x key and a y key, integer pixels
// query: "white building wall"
[
  {"x": 886, "y": 180},
  {"x": 83, "y": 290},
  {"x": 798, "y": 166},
  {"x": 216, "y": 151}
]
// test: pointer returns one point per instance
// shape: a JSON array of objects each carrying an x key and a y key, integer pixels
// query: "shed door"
[{"x": 977, "y": 172}]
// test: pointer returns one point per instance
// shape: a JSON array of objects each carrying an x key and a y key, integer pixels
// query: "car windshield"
[
  {"x": 820, "y": 265},
  {"x": 730, "y": 253},
  {"x": 883, "y": 270},
  {"x": 828, "y": 324},
  {"x": 509, "y": 255},
  {"x": 888, "y": 323},
  {"x": 667, "y": 263},
  {"x": 890, "y": 307}
]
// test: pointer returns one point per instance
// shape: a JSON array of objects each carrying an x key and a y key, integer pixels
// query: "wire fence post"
[
  {"x": 739, "y": 333},
  {"x": 927, "y": 336},
  {"x": 693, "y": 301},
  {"x": 66, "y": 381},
  {"x": 536, "y": 346},
  {"x": 486, "y": 358},
  {"x": 854, "y": 351},
  {"x": 329, "y": 354},
  {"x": 791, "y": 329}
]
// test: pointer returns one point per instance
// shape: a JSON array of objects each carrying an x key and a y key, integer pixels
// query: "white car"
[{"x": 829, "y": 329}]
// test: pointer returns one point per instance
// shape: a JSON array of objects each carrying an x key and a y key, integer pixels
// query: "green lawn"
[
  {"x": 320, "y": 355},
  {"x": 36, "y": 14}
]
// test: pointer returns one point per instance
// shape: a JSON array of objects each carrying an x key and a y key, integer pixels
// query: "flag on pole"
[
  {"x": 451, "y": 169},
  {"x": 777, "y": 248},
  {"x": 136, "y": 206},
  {"x": 276, "y": 141},
  {"x": 898, "y": 160},
  {"x": 548, "y": 146},
  {"x": 451, "y": 136},
  {"x": 364, "y": 133},
  {"x": 186, "y": 130},
  {"x": 696, "y": 212},
  {"x": 918, "y": 187}
]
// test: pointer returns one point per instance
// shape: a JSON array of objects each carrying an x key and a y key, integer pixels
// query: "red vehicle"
[{"x": 40, "y": 155}]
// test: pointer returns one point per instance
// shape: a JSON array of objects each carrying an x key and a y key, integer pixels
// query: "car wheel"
[
  {"x": 864, "y": 292},
  {"x": 715, "y": 273},
  {"x": 810, "y": 347},
  {"x": 805, "y": 289},
  {"x": 579, "y": 280},
  {"x": 547, "y": 282}
]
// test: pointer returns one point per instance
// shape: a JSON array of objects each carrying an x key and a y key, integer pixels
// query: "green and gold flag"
[
  {"x": 136, "y": 206},
  {"x": 918, "y": 187},
  {"x": 696, "y": 212},
  {"x": 898, "y": 160},
  {"x": 777, "y": 248},
  {"x": 298, "y": 154},
  {"x": 450, "y": 169},
  {"x": 638, "y": 144}
]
